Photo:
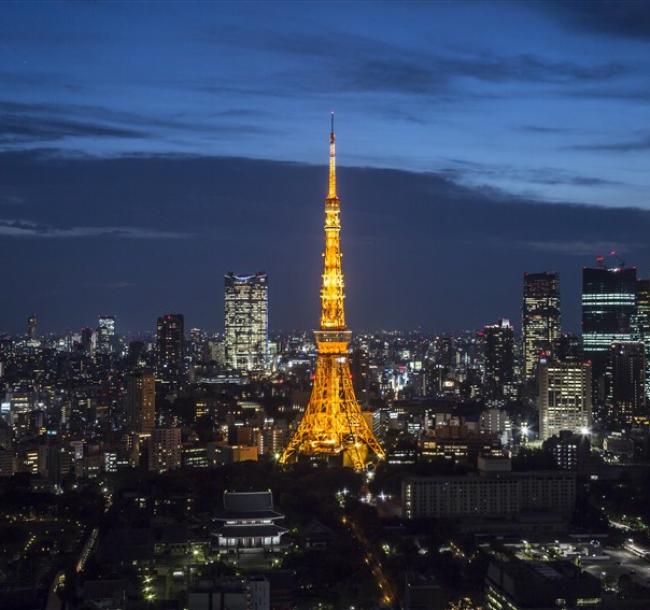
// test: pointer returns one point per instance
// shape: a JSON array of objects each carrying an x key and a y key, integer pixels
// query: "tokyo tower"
[{"x": 333, "y": 423}]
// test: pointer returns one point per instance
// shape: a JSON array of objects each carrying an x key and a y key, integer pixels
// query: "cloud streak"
[
  {"x": 580, "y": 247},
  {"x": 28, "y": 229},
  {"x": 549, "y": 176},
  {"x": 638, "y": 145}
]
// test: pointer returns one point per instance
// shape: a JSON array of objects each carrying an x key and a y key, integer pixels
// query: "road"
[{"x": 388, "y": 594}]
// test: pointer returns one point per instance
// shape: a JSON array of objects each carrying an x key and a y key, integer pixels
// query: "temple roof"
[{"x": 247, "y": 501}]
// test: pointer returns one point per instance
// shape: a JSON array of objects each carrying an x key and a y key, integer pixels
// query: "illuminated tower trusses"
[{"x": 333, "y": 423}]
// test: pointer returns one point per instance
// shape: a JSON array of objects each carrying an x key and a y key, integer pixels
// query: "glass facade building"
[
  {"x": 643, "y": 325},
  {"x": 540, "y": 318},
  {"x": 106, "y": 334},
  {"x": 608, "y": 315},
  {"x": 246, "y": 321},
  {"x": 499, "y": 357}
]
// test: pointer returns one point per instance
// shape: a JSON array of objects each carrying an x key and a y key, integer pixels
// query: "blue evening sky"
[{"x": 546, "y": 100}]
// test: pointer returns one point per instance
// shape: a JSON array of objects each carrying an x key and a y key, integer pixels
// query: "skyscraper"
[
  {"x": 333, "y": 424},
  {"x": 31, "y": 326},
  {"x": 170, "y": 347},
  {"x": 140, "y": 402},
  {"x": 564, "y": 398},
  {"x": 540, "y": 318},
  {"x": 246, "y": 321},
  {"x": 499, "y": 357},
  {"x": 643, "y": 325},
  {"x": 88, "y": 340},
  {"x": 608, "y": 316},
  {"x": 626, "y": 383},
  {"x": 106, "y": 334}
]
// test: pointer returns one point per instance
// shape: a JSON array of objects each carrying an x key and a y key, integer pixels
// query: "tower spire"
[{"x": 331, "y": 193}]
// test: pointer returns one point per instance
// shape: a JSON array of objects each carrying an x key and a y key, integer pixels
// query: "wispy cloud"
[
  {"x": 544, "y": 129},
  {"x": 27, "y": 228},
  {"x": 38, "y": 123},
  {"x": 367, "y": 65},
  {"x": 580, "y": 247},
  {"x": 549, "y": 176},
  {"x": 639, "y": 144},
  {"x": 15, "y": 129}
]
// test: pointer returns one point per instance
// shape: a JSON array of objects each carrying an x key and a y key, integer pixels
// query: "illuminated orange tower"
[{"x": 333, "y": 423}]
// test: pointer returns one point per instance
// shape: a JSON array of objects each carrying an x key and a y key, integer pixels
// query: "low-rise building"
[
  {"x": 536, "y": 585},
  {"x": 495, "y": 491}
]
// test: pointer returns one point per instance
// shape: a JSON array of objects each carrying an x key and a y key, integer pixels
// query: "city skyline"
[
  {"x": 180, "y": 167},
  {"x": 466, "y": 424}
]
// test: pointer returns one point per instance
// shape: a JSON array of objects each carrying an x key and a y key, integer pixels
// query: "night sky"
[{"x": 147, "y": 149}]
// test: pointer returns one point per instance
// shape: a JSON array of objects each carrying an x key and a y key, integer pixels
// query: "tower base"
[{"x": 333, "y": 424}]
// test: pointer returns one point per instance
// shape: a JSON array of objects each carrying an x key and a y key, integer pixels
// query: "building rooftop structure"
[
  {"x": 247, "y": 525},
  {"x": 536, "y": 585}
]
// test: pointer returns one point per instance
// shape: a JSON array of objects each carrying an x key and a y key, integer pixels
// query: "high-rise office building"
[
  {"x": 31, "y": 326},
  {"x": 170, "y": 347},
  {"x": 140, "y": 402},
  {"x": 106, "y": 334},
  {"x": 88, "y": 340},
  {"x": 564, "y": 398},
  {"x": 499, "y": 357},
  {"x": 608, "y": 316},
  {"x": 626, "y": 400},
  {"x": 165, "y": 449},
  {"x": 643, "y": 325},
  {"x": 540, "y": 318},
  {"x": 246, "y": 321}
]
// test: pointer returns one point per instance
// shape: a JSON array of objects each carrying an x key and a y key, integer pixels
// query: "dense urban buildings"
[
  {"x": 234, "y": 467},
  {"x": 455, "y": 434},
  {"x": 246, "y": 321},
  {"x": 540, "y": 318}
]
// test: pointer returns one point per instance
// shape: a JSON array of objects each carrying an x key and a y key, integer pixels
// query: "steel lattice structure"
[{"x": 333, "y": 423}]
